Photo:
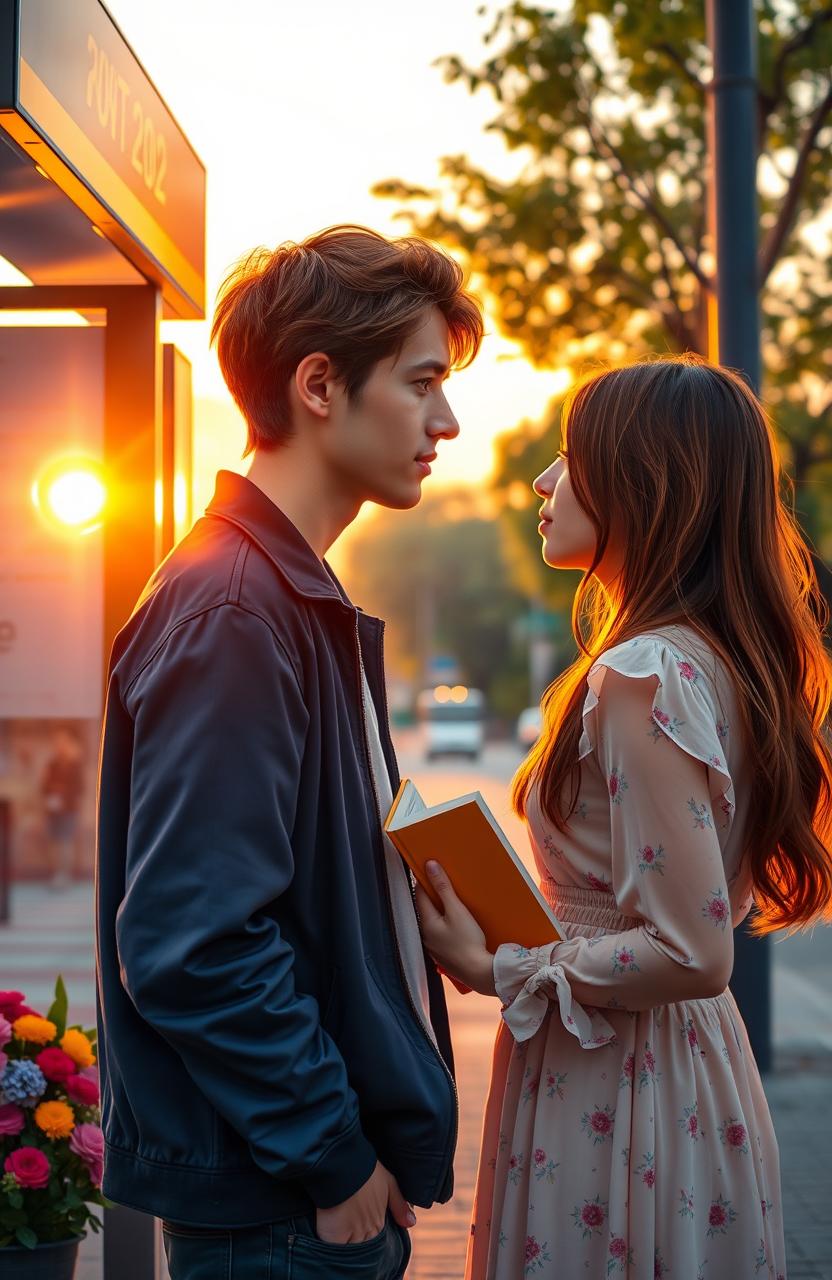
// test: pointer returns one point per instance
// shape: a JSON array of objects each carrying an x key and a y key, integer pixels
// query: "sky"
[{"x": 296, "y": 110}]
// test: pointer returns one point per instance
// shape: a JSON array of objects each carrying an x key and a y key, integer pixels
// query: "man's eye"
[{"x": 425, "y": 383}]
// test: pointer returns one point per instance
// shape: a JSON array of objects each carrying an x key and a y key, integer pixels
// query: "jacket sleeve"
[
  {"x": 219, "y": 730},
  {"x": 667, "y": 872}
]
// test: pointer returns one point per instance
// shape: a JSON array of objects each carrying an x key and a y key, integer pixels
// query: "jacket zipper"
[{"x": 402, "y": 975}]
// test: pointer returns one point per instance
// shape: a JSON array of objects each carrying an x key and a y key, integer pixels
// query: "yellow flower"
[
  {"x": 57, "y": 1119},
  {"x": 76, "y": 1044},
  {"x": 30, "y": 1027}
]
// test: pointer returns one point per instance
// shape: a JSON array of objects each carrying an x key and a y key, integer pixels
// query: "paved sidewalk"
[{"x": 51, "y": 933}]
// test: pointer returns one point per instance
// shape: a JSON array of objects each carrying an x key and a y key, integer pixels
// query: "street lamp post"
[{"x": 733, "y": 146}]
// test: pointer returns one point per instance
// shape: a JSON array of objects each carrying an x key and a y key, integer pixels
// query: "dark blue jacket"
[{"x": 258, "y": 1048}]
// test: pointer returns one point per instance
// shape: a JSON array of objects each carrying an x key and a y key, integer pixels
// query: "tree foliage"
[{"x": 599, "y": 248}]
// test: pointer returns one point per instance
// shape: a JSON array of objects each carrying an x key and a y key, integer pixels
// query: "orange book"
[{"x": 486, "y": 873}]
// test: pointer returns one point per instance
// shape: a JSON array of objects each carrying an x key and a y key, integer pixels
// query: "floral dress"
[{"x": 626, "y": 1130}]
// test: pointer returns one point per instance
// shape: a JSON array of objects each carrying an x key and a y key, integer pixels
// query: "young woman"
[{"x": 683, "y": 776}]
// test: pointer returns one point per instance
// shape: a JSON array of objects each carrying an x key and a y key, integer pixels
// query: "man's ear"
[{"x": 315, "y": 383}]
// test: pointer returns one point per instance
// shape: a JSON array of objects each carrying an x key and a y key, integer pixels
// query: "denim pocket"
[
  {"x": 195, "y": 1253},
  {"x": 381, "y": 1258}
]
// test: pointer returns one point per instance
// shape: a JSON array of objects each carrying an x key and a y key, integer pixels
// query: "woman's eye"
[{"x": 424, "y": 383}]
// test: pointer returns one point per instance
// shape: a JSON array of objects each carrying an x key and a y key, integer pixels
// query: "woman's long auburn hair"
[{"x": 675, "y": 456}]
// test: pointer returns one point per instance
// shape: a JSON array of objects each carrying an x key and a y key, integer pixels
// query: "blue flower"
[{"x": 23, "y": 1082}]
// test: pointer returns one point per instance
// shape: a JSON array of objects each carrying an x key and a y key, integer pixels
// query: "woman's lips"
[{"x": 424, "y": 466}]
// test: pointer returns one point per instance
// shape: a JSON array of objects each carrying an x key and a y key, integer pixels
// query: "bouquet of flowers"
[{"x": 51, "y": 1144}]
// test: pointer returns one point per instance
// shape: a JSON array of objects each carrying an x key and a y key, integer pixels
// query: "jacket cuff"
[{"x": 344, "y": 1169}]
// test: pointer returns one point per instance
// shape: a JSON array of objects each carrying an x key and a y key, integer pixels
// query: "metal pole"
[{"x": 734, "y": 219}]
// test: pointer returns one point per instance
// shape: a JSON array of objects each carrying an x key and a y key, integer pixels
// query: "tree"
[
  {"x": 439, "y": 576},
  {"x": 599, "y": 248}
]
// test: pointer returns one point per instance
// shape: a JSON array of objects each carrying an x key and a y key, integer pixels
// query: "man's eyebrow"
[{"x": 430, "y": 366}]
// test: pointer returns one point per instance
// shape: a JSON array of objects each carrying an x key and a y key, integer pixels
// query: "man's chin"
[{"x": 403, "y": 499}]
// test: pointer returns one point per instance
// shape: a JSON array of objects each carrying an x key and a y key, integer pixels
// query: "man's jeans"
[{"x": 286, "y": 1250}]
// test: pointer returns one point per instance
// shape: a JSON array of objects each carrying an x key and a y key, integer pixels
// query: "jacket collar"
[{"x": 242, "y": 503}]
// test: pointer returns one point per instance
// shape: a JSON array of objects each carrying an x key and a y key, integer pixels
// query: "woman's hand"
[{"x": 453, "y": 937}]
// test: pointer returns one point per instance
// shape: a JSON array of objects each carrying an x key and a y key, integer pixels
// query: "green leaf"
[
  {"x": 26, "y": 1236},
  {"x": 58, "y": 1010}
]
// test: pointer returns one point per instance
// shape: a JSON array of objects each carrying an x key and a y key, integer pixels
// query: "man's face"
[{"x": 398, "y": 418}]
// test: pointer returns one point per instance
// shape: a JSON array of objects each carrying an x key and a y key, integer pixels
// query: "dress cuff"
[{"x": 526, "y": 980}]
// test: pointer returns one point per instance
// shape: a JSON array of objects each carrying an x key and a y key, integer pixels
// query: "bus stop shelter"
[{"x": 102, "y": 216}]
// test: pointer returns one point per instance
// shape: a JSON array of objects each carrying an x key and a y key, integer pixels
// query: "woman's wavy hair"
[{"x": 676, "y": 458}]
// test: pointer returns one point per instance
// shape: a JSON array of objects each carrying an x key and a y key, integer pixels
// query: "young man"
[{"x": 274, "y": 1052}]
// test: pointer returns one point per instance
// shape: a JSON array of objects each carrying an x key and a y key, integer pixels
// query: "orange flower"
[
  {"x": 56, "y": 1119},
  {"x": 30, "y": 1027},
  {"x": 76, "y": 1044}
]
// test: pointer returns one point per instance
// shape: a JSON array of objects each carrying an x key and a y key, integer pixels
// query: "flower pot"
[{"x": 54, "y": 1261}]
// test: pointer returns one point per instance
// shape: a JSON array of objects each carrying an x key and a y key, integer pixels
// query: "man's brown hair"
[{"x": 348, "y": 292}]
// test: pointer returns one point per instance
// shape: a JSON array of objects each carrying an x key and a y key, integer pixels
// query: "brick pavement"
[{"x": 52, "y": 932}]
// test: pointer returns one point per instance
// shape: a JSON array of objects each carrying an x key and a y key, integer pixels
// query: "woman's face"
[{"x": 568, "y": 534}]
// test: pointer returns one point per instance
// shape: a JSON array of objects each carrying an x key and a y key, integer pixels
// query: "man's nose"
[{"x": 445, "y": 425}]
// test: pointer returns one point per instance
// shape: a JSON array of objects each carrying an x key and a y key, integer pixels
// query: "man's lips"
[{"x": 424, "y": 460}]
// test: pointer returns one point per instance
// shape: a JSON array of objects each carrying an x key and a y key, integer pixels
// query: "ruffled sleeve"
[{"x": 651, "y": 719}]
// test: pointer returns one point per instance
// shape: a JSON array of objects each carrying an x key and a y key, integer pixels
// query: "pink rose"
[
  {"x": 5, "y": 1031},
  {"x": 735, "y": 1133},
  {"x": 29, "y": 1166},
  {"x": 56, "y": 1065},
  {"x": 540, "y": 1156},
  {"x": 83, "y": 1090},
  {"x": 532, "y": 1249},
  {"x": 686, "y": 671},
  {"x": 601, "y": 1122},
  {"x": 618, "y": 1247},
  {"x": 716, "y": 1215},
  {"x": 592, "y": 1215},
  {"x": 12, "y": 1118},
  {"x": 87, "y": 1142}
]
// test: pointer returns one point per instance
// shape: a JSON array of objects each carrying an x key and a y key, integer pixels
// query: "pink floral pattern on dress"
[
  {"x": 617, "y": 784},
  {"x": 555, "y": 1080},
  {"x": 734, "y": 1135},
  {"x": 598, "y": 1124},
  {"x": 624, "y": 960},
  {"x": 721, "y": 1216},
  {"x": 660, "y": 1267},
  {"x": 665, "y": 724},
  {"x": 689, "y": 1122},
  {"x": 647, "y": 1170},
  {"x": 621, "y": 1257},
  {"x": 515, "y": 1168},
  {"x": 544, "y": 1167},
  {"x": 717, "y": 909},
  {"x": 690, "y": 1034},
  {"x": 536, "y": 1255},
  {"x": 687, "y": 670},
  {"x": 647, "y": 1072},
  {"x": 686, "y": 1203},
  {"x": 701, "y": 817},
  {"x": 651, "y": 858},
  {"x": 550, "y": 847},
  {"x": 628, "y": 1071},
  {"x": 595, "y": 882},
  {"x": 591, "y": 1216}
]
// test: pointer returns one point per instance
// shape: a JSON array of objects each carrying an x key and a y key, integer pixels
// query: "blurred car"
[
  {"x": 529, "y": 726},
  {"x": 452, "y": 720}
]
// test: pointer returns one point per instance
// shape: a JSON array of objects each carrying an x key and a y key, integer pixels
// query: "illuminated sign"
[{"x": 83, "y": 92}]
